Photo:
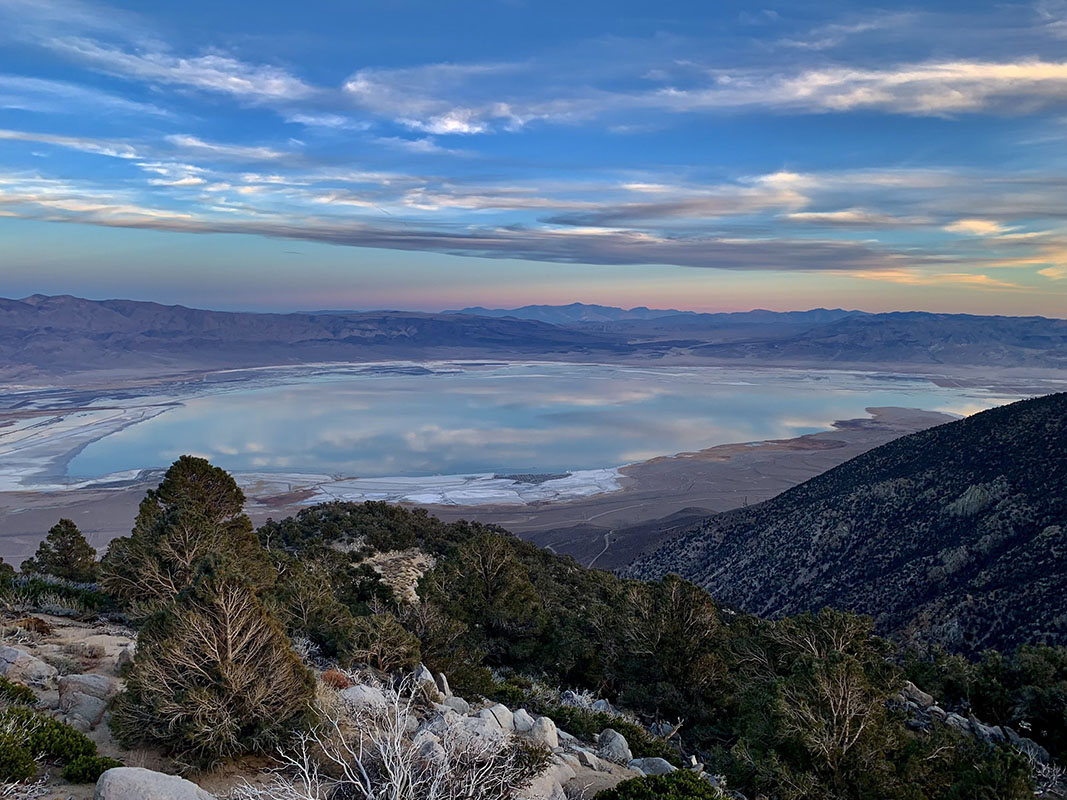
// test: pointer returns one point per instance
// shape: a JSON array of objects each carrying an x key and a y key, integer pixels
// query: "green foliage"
[
  {"x": 7, "y": 572},
  {"x": 214, "y": 676},
  {"x": 44, "y": 737},
  {"x": 16, "y": 693},
  {"x": 680, "y": 785},
  {"x": 583, "y": 722},
  {"x": 16, "y": 761},
  {"x": 65, "y": 553},
  {"x": 363, "y": 527},
  {"x": 52, "y": 595},
  {"x": 1026, "y": 690},
  {"x": 87, "y": 769},
  {"x": 383, "y": 643},
  {"x": 794, "y": 709},
  {"x": 195, "y": 513}
]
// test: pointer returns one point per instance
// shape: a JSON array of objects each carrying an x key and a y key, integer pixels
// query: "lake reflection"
[{"x": 372, "y": 422}]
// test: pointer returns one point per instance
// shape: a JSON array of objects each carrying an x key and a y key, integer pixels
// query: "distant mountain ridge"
[
  {"x": 956, "y": 535},
  {"x": 57, "y": 335},
  {"x": 64, "y": 333},
  {"x": 579, "y": 313}
]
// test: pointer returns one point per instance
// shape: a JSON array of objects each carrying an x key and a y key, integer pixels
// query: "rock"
[
  {"x": 458, "y": 704},
  {"x": 987, "y": 732},
  {"x": 125, "y": 657},
  {"x": 18, "y": 665},
  {"x": 612, "y": 746},
  {"x": 954, "y": 720},
  {"x": 430, "y": 748},
  {"x": 916, "y": 695},
  {"x": 503, "y": 716},
  {"x": 522, "y": 720},
  {"x": 589, "y": 761},
  {"x": 566, "y": 739},
  {"x": 480, "y": 729},
  {"x": 549, "y": 784},
  {"x": 1027, "y": 746},
  {"x": 361, "y": 697},
  {"x": 489, "y": 717},
  {"x": 603, "y": 706},
  {"x": 136, "y": 783},
  {"x": 544, "y": 733},
  {"x": 423, "y": 675},
  {"x": 84, "y": 699},
  {"x": 652, "y": 766},
  {"x": 442, "y": 684}
]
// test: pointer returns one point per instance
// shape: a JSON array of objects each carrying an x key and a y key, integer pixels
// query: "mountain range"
[
  {"x": 955, "y": 536},
  {"x": 43, "y": 335}
]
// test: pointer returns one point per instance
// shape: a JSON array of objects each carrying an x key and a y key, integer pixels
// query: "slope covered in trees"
[{"x": 955, "y": 536}]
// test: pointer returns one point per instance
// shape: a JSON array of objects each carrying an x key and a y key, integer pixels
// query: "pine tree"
[{"x": 65, "y": 553}]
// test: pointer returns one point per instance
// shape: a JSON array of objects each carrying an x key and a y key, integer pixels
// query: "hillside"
[
  {"x": 59, "y": 334},
  {"x": 52, "y": 336},
  {"x": 955, "y": 535}
]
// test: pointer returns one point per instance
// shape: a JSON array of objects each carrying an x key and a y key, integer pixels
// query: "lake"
[{"x": 453, "y": 419}]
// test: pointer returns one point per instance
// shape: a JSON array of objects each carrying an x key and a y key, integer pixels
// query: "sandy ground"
[{"x": 704, "y": 481}]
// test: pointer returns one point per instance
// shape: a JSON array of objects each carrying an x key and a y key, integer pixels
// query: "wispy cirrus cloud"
[{"x": 62, "y": 97}]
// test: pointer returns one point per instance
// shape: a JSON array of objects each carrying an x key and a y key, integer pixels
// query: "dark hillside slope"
[{"x": 956, "y": 535}]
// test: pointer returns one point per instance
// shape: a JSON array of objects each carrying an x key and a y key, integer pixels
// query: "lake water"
[{"x": 449, "y": 419}]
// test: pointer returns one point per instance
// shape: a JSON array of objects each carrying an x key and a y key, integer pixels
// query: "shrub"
[
  {"x": 380, "y": 752},
  {"x": 382, "y": 642},
  {"x": 16, "y": 693},
  {"x": 214, "y": 676},
  {"x": 680, "y": 785},
  {"x": 336, "y": 679},
  {"x": 16, "y": 762},
  {"x": 64, "y": 553},
  {"x": 86, "y": 769},
  {"x": 45, "y": 737}
]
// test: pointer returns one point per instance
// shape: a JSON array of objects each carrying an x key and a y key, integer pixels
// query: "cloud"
[
  {"x": 931, "y": 88},
  {"x": 84, "y": 144},
  {"x": 975, "y": 227},
  {"x": 199, "y": 147},
  {"x": 912, "y": 277},
  {"x": 1054, "y": 273},
  {"x": 856, "y": 217},
  {"x": 213, "y": 72},
  {"x": 59, "y": 97}
]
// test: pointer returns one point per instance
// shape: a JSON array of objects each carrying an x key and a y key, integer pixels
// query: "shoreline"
[{"x": 597, "y": 501}]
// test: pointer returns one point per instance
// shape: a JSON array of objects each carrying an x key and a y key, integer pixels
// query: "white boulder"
[{"x": 136, "y": 783}]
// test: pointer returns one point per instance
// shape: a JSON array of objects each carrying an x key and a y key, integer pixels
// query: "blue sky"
[{"x": 432, "y": 155}]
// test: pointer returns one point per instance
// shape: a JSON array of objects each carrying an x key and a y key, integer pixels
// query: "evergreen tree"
[
  {"x": 65, "y": 553},
  {"x": 196, "y": 512}
]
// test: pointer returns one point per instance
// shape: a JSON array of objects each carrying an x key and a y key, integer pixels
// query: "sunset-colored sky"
[{"x": 428, "y": 155}]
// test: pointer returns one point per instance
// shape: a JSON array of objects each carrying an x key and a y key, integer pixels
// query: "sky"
[{"x": 426, "y": 155}]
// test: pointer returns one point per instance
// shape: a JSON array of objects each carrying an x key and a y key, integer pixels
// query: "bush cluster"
[
  {"x": 87, "y": 769},
  {"x": 680, "y": 785},
  {"x": 15, "y": 693},
  {"x": 27, "y": 735}
]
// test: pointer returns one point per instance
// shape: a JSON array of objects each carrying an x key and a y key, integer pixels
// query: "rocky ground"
[{"x": 75, "y": 669}]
